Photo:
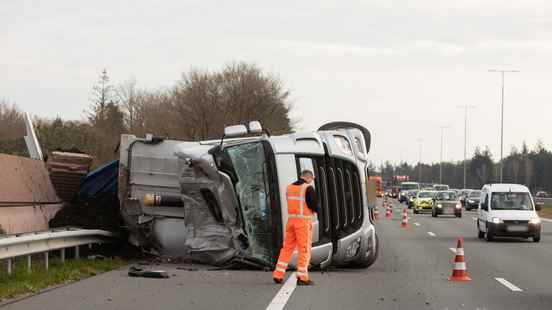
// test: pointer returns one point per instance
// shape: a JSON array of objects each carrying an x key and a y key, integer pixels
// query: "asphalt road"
[{"x": 411, "y": 273}]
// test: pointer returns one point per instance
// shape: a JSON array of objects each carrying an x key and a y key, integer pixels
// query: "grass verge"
[
  {"x": 20, "y": 282},
  {"x": 546, "y": 211}
]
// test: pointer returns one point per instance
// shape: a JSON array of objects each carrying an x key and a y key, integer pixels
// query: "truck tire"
[
  {"x": 489, "y": 236},
  {"x": 536, "y": 238},
  {"x": 367, "y": 261}
]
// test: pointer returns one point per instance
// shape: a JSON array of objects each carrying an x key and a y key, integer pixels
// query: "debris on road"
[{"x": 134, "y": 271}]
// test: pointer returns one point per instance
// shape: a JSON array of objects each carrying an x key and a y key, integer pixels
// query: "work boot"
[
  {"x": 304, "y": 282},
  {"x": 278, "y": 281}
]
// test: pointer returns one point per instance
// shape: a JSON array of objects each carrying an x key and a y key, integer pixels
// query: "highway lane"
[{"x": 411, "y": 273}]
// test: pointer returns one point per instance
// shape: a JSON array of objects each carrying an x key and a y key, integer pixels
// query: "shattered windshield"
[{"x": 252, "y": 189}]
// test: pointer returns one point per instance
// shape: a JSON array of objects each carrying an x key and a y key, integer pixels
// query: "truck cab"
[{"x": 232, "y": 191}]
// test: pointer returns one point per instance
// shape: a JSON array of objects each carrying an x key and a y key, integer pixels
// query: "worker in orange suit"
[{"x": 301, "y": 205}]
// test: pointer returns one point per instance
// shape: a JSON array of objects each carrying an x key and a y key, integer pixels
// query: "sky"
[{"x": 400, "y": 68}]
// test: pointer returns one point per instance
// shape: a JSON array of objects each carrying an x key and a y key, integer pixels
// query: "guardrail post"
[
  {"x": 29, "y": 267},
  {"x": 46, "y": 261},
  {"x": 77, "y": 255},
  {"x": 9, "y": 266},
  {"x": 62, "y": 256}
]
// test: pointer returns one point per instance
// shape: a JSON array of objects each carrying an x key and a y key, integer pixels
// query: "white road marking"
[
  {"x": 508, "y": 285},
  {"x": 453, "y": 250},
  {"x": 417, "y": 224},
  {"x": 546, "y": 220},
  {"x": 279, "y": 301},
  {"x": 431, "y": 234}
]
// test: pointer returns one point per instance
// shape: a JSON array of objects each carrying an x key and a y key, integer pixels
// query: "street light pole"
[
  {"x": 502, "y": 118},
  {"x": 466, "y": 107},
  {"x": 420, "y": 162},
  {"x": 441, "y": 162}
]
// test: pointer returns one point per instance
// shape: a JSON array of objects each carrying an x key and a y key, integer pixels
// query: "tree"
[
  {"x": 205, "y": 102},
  {"x": 482, "y": 167},
  {"x": 103, "y": 93}
]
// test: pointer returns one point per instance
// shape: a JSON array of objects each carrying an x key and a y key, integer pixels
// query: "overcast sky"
[{"x": 401, "y": 68}]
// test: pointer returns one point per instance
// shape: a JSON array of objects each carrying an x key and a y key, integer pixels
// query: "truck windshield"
[
  {"x": 252, "y": 189},
  {"x": 511, "y": 201},
  {"x": 409, "y": 186}
]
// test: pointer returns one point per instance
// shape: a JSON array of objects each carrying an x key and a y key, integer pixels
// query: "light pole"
[
  {"x": 420, "y": 162},
  {"x": 502, "y": 117},
  {"x": 466, "y": 107},
  {"x": 441, "y": 162}
]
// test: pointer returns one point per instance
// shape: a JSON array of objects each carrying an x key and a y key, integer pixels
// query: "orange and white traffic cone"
[
  {"x": 404, "y": 223},
  {"x": 459, "y": 272},
  {"x": 388, "y": 212}
]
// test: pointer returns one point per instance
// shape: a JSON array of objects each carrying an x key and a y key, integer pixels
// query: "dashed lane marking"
[
  {"x": 280, "y": 300},
  {"x": 431, "y": 234},
  {"x": 417, "y": 224},
  {"x": 508, "y": 285}
]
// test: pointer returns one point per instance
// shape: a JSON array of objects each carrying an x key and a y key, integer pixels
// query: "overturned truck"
[{"x": 223, "y": 202}]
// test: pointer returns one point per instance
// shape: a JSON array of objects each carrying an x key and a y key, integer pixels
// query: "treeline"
[
  {"x": 532, "y": 168},
  {"x": 197, "y": 107}
]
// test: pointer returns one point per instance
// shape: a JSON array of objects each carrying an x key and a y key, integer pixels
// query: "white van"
[{"x": 507, "y": 210}]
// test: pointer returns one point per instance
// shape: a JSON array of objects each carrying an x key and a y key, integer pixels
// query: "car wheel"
[
  {"x": 459, "y": 215},
  {"x": 536, "y": 238},
  {"x": 415, "y": 211},
  {"x": 480, "y": 234},
  {"x": 433, "y": 214}
]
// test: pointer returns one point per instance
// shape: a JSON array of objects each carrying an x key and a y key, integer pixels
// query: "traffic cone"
[
  {"x": 404, "y": 223},
  {"x": 459, "y": 272}
]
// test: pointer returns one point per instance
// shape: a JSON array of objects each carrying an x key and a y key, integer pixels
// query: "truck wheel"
[
  {"x": 536, "y": 238},
  {"x": 367, "y": 261}
]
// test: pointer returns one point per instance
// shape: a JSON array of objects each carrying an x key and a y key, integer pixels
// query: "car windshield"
[
  {"x": 511, "y": 201},
  {"x": 449, "y": 196},
  {"x": 475, "y": 194},
  {"x": 425, "y": 195},
  {"x": 252, "y": 189},
  {"x": 409, "y": 186}
]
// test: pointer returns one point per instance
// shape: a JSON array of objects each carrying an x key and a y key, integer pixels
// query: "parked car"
[
  {"x": 446, "y": 203},
  {"x": 507, "y": 210},
  {"x": 541, "y": 194},
  {"x": 472, "y": 200},
  {"x": 423, "y": 201}
]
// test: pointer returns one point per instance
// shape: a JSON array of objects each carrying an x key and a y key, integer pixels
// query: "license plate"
[
  {"x": 449, "y": 210},
  {"x": 517, "y": 228}
]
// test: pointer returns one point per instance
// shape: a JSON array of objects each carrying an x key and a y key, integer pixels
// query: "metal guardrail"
[{"x": 27, "y": 244}]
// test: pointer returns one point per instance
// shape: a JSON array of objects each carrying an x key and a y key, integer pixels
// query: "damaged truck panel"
[{"x": 232, "y": 204}]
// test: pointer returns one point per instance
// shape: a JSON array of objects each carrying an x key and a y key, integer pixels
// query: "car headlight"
[
  {"x": 471, "y": 201},
  {"x": 411, "y": 199},
  {"x": 496, "y": 220},
  {"x": 458, "y": 206},
  {"x": 439, "y": 205},
  {"x": 535, "y": 221}
]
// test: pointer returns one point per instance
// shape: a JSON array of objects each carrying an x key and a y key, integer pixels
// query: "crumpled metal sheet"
[{"x": 213, "y": 238}]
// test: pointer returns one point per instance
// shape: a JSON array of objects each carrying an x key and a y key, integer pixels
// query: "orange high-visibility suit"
[{"x": 298, "y": 233}]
